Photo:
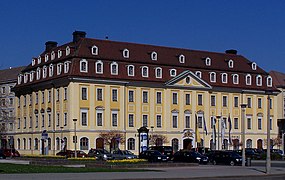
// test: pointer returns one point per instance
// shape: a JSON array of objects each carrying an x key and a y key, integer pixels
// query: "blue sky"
[{"x": 255, "y": 28}]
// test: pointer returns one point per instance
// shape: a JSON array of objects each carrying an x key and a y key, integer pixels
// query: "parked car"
[
  {"x": 249, "y": 153},
  {"x": 11, "y": 153},
  {"x": 100, "y": 154},
  {"x": 2, "y": 155},
  {"x": 190, "y": 156},
  {"x": 123, "y": 154},
  {"x": 153, "y": 156},
  {"x": 225, "y": 157},
  {"x": 70, "y": 153},
  {"x": 165, "y": 150}
]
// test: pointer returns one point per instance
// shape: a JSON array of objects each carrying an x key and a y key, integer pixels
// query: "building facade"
[{"x": 91, "y": 87}]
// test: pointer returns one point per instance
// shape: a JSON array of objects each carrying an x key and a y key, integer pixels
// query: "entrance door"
[
  {"x": 100, "y": 143},
  {"x": 187, "y": 144},
  {"x": 259, "y": 144}
]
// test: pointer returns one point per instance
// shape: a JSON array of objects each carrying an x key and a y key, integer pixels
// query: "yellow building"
[{"x": 110, "y": 86}]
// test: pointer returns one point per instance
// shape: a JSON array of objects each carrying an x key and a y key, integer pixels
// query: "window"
[
  {"x": 11, "y": 101},
  {"x": 187, "y": 99},
  {"x": 25, "y": 77},
  {"x": 126, "y": 53},
  {"x": 200, "y": 99},
  {"x": 235, "y": 79},
  {"x": 270, "y": 123},
  {"x": 249, "y": 102},
  {"x": 259, "y": 123},
  {"x": 248, "y": 122},
  {"x": 225, "y": 101},
  {"x": 99, "y": 94},
  {"x": 158, "y": 98},
  {"x": 208, "y": 61},
  {"x": 259, "y": 103},
  {"x": 131, "y": 96},
  {"x": 187, "y": 121},
  {"x": 49, "y": 119},
  {"x": 43, "y": 97},
  {"x": 235, "y": 123},
  {"x": 224, "y": 78},
  {"x": 39, "y": 60},
  {"x": 199, "y": 74},
  {"x": 32, "y": 76},
  {"x": 174, "y": 98},
  {"x": 114, "y": 68},
  {"x": 83, "y": 93},
  {"x": 114, "y": 95},
  {"x": 188, "y": 80},
  {"x": 258, "y": 80},
  {"x": 33, "y": 62},
  {"x": 235, "y": 101},
  {"x": 213, "y": 77},
  {"x": 83, "y": 66},
  {"x": 131, "y": 120},
  {"x": 19, "y": 123},
  {"x": 65, "y": 93},
  {"x": 200, "y": 121},
  {"x": 269, "y": 81},
  {"x": 20, "y": 78},
  {"x": 84, "y": 143},
  {"x": 131, "y": 144},
  {"x": 59, "y": 54},
  {"x": 94, "y": 50},
  {"x": 270, "y": 103},
  {"x": 49, "y": 96},
  {"x": 153, "y": 56},
  {"x": 144, "y": 71},
  {"x": 249, "y": 143},
  {"x": 43, "y": 120},
  {"x": 57, "y": 94},
  {"x": 131, "y": 70},
  {"x": 38, "y": 73},
  {"x": 52, "y": 55},
  {"x": 44, "y": 72},
  {"x": 145, "y": 97},
  {"x": 30, "y": 143},
  {"x": 57, "y": 119},
  {"x": 158, "y": 121},
  {"x": 25, "y": 123},
  {"x": 99, "y": 117},
  {"x": 99, "y": 67},
  {"x": 37, "y": 98},
  {"x": 174, "y": 120},
  {"x": 57, "y": 143},
  {"x": 36, "y": 144},
  {"x": 50, "y": 70},
  {"x": 253, "y": 66},
  {"x": 213, "y": 100},
  {"x": 145, "y": 120},
  {"x": 182, "y": 59},
  {"x": 114, "y": 118},
  {"x": 172, "y": 72},
  {"x": 231, "y": 63},
  {"x": 158, "y": 72},
  {"x": 37, "y": 121},
  {"x": 67, "y": 50},
  {"x": 84, "y": 117},
  {"x": 66, "y": 66},
  {"x": 65, "y": 119}
]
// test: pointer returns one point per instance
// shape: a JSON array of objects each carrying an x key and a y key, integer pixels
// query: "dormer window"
[
  {"x": 44, "y": 72},
  {"x": 46, "y": 57},
  {"x": 182, "y": 59},
  {"x": 253, "y": 66},
  {"x": 208, "y": 61},
  {"x": 114, "y": 68},
  {"x": 99, "y": 67},
  {"x": 258, "y": 80},
  {"x": 33, "y": 62},
  {"x": 199, "y": 74},
  {"x": 67, "y": 51},
  {"x": 50, "y": 70},
  {"x": 172, "y": 72},
  {"x": 20, "y": 78},
  {"x": 224, "y": 78},
  {"x": 94, "y": 50},
  {"x": 59, "y": 54},
  {"x": 26, "y": 75},
  {"x": 126, "y": 53},
  {"x": 269, "y": 81},
  {"x": 213, "y": 77},
  {"x": 39, "y": 59},
  {"x": 84, "y": 66},
  {"x": 231, "y": 63},
  {"x": 38, "y": 73},
  {"x": 32, "y": 76},
  {"x": 188, "y": 80},
  {"x": 66, "y": 66},
  {"x": 144, "y": 71},
  {"x": 59, "y": 68},
  {"x": 52, "y": 55},
  {"x": 153, "y": 56},
  {"x": 158, "y": 72},
  {"x": 131, "y": 70},
  {"x": 235, "y": 79},
  {"x": 248, "y": 79}
]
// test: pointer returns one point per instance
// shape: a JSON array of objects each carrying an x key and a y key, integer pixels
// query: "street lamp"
[
  {"x": 61, "y": 140},
  {"x": 268, "y": 160},
  {"x": 218, "y": 118},
  {"x": 75, "y": 138},
  {"x": 243, "y": 106}
]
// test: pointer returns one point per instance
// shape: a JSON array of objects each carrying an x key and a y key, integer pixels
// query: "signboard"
[
  {"x": 44, "y": 135},
  {"x": 144, "y": 141}
]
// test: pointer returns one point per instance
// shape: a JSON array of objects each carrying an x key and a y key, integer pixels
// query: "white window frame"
[
  {"x": 115, "y": 99},
  {"x": 142, "y": 69},
  {"x": 172, "y": 120},
  {"x": 253, "y": 66},
  {"x": 208, "y": 61},
  {"x": 59, "y": 68},
  {"x": 82, "y": 93},
  {"x": 116, "y": 69},
  {"x": 39, "y": 60},
  {"x": 186, "y": 80},
  {"x": 66, "y": 66},
  {"x": 235, "y": 79},
  {"x": 259, "y": 118},
  {"x": 46, "y": 57},
  {"x": 172, "y": 71},
  {"x": 67, "y": 50},
  {"x": 269, "y": 81},
  {"x": 199, "y": 74},
  {"x": 51, "y": 70},
  {"x": 126, "y": 53},
  {"x": 212, "y": 74},
  {"x": 175, "y": 100},
  {"x": 128, "y": 69},
  {"x": 44, "y": 71},
  {"x": 32, "y": 76},
  {"x": 246, "y": 77},
  {"x": 115, "y": 112},
  {"x": 181, "y": 59},
  {"x": 52, "y": 55},
  {"x": 224, "y": 77},
  {"x": 259, "y": 77},
  {"x": 99, "y": 111},
  {"x": 97, "y": 94},
  {"x": 38, "y": 73},
  {"x": 81, "y": 120},
  {"x": 231, "y": 63},
  {"x": 157, "y": 75},
  {"x": 99, "y": 62},
  {"x": 147, "y": 119},
  {"x": 59, "y": 54},
  {"x": 153, "y": 56},
  {"x": 33, "y": 62},
  {"x": 26, "y": 75},
  {"x": 81, "y": 65},
  {"x": 94, "y": 50}
]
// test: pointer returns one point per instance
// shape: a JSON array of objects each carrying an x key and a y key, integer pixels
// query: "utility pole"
[
  {"x": 268, "y": 160},
  {"x": 218, "y": 118},
  {"x": 243, "y": 106},
  {"x": 75, "y": 138}
]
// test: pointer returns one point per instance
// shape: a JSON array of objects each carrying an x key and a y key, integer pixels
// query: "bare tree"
[
  {"x": 157, "y": 139},
  {"x": 274, "y": 142},
  {"x": 112, "y": 137}
]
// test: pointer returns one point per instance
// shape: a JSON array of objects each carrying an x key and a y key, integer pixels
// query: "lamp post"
[
  {"x": 75, "y": 138},
  {"x": 218, "y": 118},
  {"x": 61, "y": 140},
  {"x": 243, "y": 106},
  {"x": 282, "y": 141},
  {"x": 268, "y": 160}
]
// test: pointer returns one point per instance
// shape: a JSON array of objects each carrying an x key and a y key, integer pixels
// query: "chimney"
[
  {"x": 50, "y": 45},
  {"x": 77, "y": 35},
  {"x": 231, "y": 51}
]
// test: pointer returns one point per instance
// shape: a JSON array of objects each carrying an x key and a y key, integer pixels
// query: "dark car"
[
  {"x": 2, "y": 155},
  {"x": 123, "y": 154},
  {"x": 165, "y": 150},
  {"x": 11, "y": 153},
  {"x": 190, "y": 156},
  {"x": 153, "y": 156},
  {"x": 225, "y": 157},
  {"x": 70, "y": 153},
  {"x": 249, "y": 153},
  {"x": 100, "y": 154}
]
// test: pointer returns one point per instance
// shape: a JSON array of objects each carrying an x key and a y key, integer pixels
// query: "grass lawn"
[{"x": 18, "y": 168}]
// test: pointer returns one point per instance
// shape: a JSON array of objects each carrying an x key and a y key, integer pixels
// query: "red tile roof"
[
  {"x": 10, "y": 75},
  {"x": 278, "y": 79}
]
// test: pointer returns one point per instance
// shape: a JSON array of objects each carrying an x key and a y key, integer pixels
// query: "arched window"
[
  {"x": 46, "y": 57},
  {"x": 126, "y": 53},
  {"x": 253, "y": 66},
  {"x": 188, "y": 80},
  {"x": 231, "y": 63},
  {"x": 30, "y": 143},
  {"x": 158, "y": 72},
  {"x": 174, "y": 144},
  {"x": 226, "y": 144},
  {"x": 64, "y": 143},
  {"x": 19, "y": 143},
  {"x": 153, "y": 56},
  {"x": 83, "y": 65},
  {"x": 249, "y": 143},
  {"x": 99, "y": 143},
  {"x": 248, "y": 79},
  {"x": 258, "y": 80},
  {"x": 224, "y": 78},
  {"x": 44, "y": 72},
  {"x": 20, "y": 78},
  {"x": 99, "y": 67},
  {"x": 38, "y": 73},
  {"x": 84, "y": 143},
  {"x": 59, "y": 68},
  {"x": 172, "y": 72},
  {"x": 57, "y": 141},
  {"x": 32, "y": 76},
  {"x": 182, "y": 59},
  {"x": 67, "y": 50},
  {"x": 114, "y": 68},
  {"x": 52, "y": 55},
  {"x": 66, "y": 66},
  {"x": 49, "y": 143},
  {"x": 33, "y": 62},
  {"x": 50, "y": 70},
  {"x": 24, "y": 143},
  {"x": 235, "y": 79},
  {"x": 144, "y": 71},
  {"x": 213, "y": 77},
  {"x": 26, "y": 77},
  {"x": 208, "y": 61},
  {"x": 199, "y": 74},
  {"x": 131, "y": 144},
  {"x": 36, "y": 144},
  {"x": 131, "y": 70},
  {"x": 269, "y": 81},
  {"x": 94, "y": 50},
  {"x": 39, "y": 59},
  {"x": 59, "y": 54}
]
